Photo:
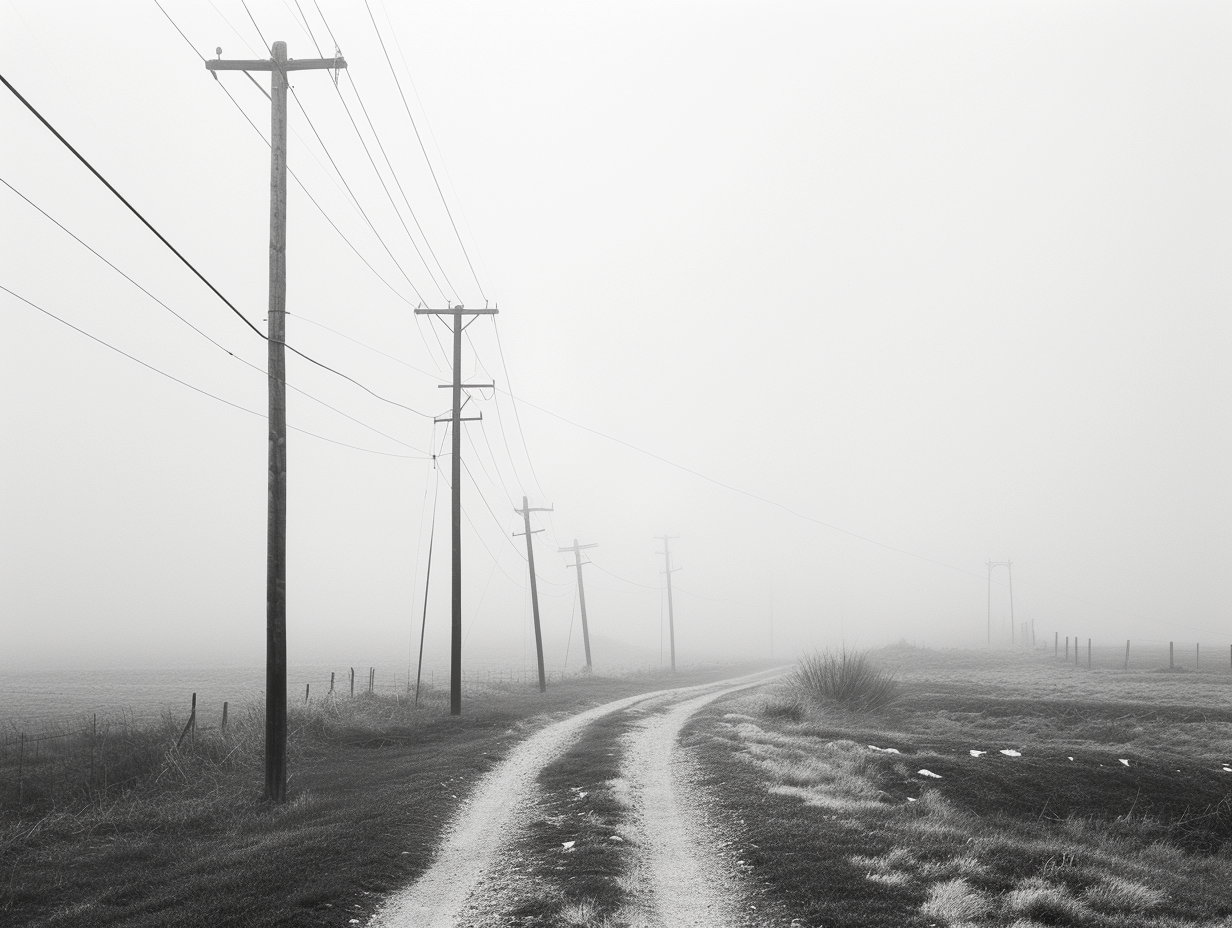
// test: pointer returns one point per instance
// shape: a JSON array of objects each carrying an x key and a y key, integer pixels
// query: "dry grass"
[
  {"x": 190, "y": 842},
  {"x": 848, "y": 679},
  {"x": 1031, "y": 840}
]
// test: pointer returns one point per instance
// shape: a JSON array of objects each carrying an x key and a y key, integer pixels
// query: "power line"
[
  {"x": 195, "y": 389},
  {"x": 418, "y": 138},
  {"x": 188, "y": 264},
  {"x": 392, "y": 172},
  {"x": 294, "y": 176},
  {"x": 132, "y": 208},
  {"x": 212, "y": 341},
  {"x": 513, "y": 399},
  {"x": 325, "y": 148}
]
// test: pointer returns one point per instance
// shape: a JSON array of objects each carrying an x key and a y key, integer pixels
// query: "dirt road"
[{"x": 676, "y": 879}]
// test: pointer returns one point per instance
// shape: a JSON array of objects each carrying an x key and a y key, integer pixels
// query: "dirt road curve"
[{"x": 680, "y": 883}]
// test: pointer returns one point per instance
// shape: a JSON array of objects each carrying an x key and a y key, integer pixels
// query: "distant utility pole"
[
  {"x": 671, "y": 622},
  {"x": 455, "y": 420},
  {"x": 1009, "y": 566},
  {"x": 525, "y": 512},
  {"x": 276, "y": 509},
  {"x": 577, "y": 562}
]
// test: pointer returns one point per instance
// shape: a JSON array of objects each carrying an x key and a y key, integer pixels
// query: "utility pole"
[
  {"x": 455, "y": 420},
  {"x": 671, "y": 621},
  {"x": 525, "y": 512},
  {"x": 577, "y": 562},
  {"x": 1008, "y": 565},
  {"x": 276, "y": 510}
]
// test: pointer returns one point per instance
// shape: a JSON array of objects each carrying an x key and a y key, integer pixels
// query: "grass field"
[
  {"x": 187, "y": 840},
  {"x": 1115, "y": 810}
]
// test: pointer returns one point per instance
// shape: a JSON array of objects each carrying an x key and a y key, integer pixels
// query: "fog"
[{"x": 851, "y": 298}]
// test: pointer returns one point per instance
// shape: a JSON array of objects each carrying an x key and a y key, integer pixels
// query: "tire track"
[{"x": 501, "y": 806}]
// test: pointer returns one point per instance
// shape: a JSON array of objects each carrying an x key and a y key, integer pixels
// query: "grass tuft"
[
  {"x": 845, "y": 678},
  {"x": 955, "y": 900}
]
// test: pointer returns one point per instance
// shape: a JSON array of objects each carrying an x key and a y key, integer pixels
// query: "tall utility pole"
[
  {"x": 525, "y": 512},
  {"x": 671, "y": 621},
  {"x": 1009, "y": 566},
  {"x": 577, "y": 562},
  {"x": 455, "y": 420},
  {"x": 276, "y": 510}
]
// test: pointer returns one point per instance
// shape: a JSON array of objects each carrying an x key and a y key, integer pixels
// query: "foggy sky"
[{"x": 949, "y": 278}]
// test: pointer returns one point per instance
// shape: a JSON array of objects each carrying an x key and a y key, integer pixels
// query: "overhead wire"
[
  {"x": 290, "y": 170},
  {"x": 517, "y": 417},
  {"x": 422, "y": 148},
  {"x": 389, "y": 164},
  {"x": 189, "y": 264},
  {"x": 194, "y": 328},
  {"x": 190, "y": 386},
  {"x": 337, "y": 170}
]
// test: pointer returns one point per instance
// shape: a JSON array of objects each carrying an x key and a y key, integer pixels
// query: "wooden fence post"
[
  {"x": 1067, "y": 649},
  {"x": 189, "y": 726},
  {"x": 307, "y": 686},
  {"x": 352, "y": 681},
  {"x": 331, "y": 683},
  {"x": 1127, "y": 654},
  {"x": 21, "y": 769},
  {"x": 371, "y": 679},
  {"x": 224, "y": 718},
  {"x": 1056, "y": 645}
]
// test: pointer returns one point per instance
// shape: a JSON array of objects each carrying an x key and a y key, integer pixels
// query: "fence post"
[
  {"x": 192, "y": 720},
  {"x": 1067, "y": 649},
  {"x": 1198, "y": 655},
  {"x": 331, "y": 683},
  {"x": 224, "y": 718},
  {"x": 1127, "y": 654},
  {"x": 21, "y": 769},
  {"x": 1088, "y": 654},
  {"x": 352, "y": 681},
  {"x": 1171, "y": 665},
  {"x": 307, "y": 686},
  {"x": 371, "y": 679},
  {"x": 1056, "y": 645}
]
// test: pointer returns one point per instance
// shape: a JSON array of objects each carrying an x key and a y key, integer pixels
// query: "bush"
[{"x": 846, "y": 678}]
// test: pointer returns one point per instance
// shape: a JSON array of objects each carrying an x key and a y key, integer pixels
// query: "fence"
[
  {"x": 88, "y": 756},
  {"x": 1141, "y": 654}
]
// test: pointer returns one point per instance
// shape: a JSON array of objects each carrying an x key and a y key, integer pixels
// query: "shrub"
[{"x": 846, "y": 678}]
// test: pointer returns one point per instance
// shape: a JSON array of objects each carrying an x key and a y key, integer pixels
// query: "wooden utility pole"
[
  {"x": 577, "y": 562},
  {"x": 671, "y": 621},
  {"x": 276, "y": 511},
  {"x": 1009, "y": 566},
  {"x": 525, "y": 512},
  {"x": 455, "y": 420}
]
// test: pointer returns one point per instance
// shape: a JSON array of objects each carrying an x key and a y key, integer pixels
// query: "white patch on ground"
[
  {"x": 929, "y": 773},
  {"x": 1010, "y": 752}
]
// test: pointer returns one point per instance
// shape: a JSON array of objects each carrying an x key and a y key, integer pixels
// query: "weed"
[{"x": 845, "y": 678}]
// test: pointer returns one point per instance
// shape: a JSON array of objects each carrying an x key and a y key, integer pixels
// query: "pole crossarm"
[
  {"x": 533, "y": 531},
  {"x": 456, "y": 311},
  {"x": 466, "y": 386},
  {"x": 478, "y": 418},
  {"x": 578, "y": 563},
  {"x": 265, "y": 64}
]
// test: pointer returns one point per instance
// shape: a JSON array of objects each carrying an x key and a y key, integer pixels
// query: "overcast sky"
[{"x": 939, "y": 282}]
